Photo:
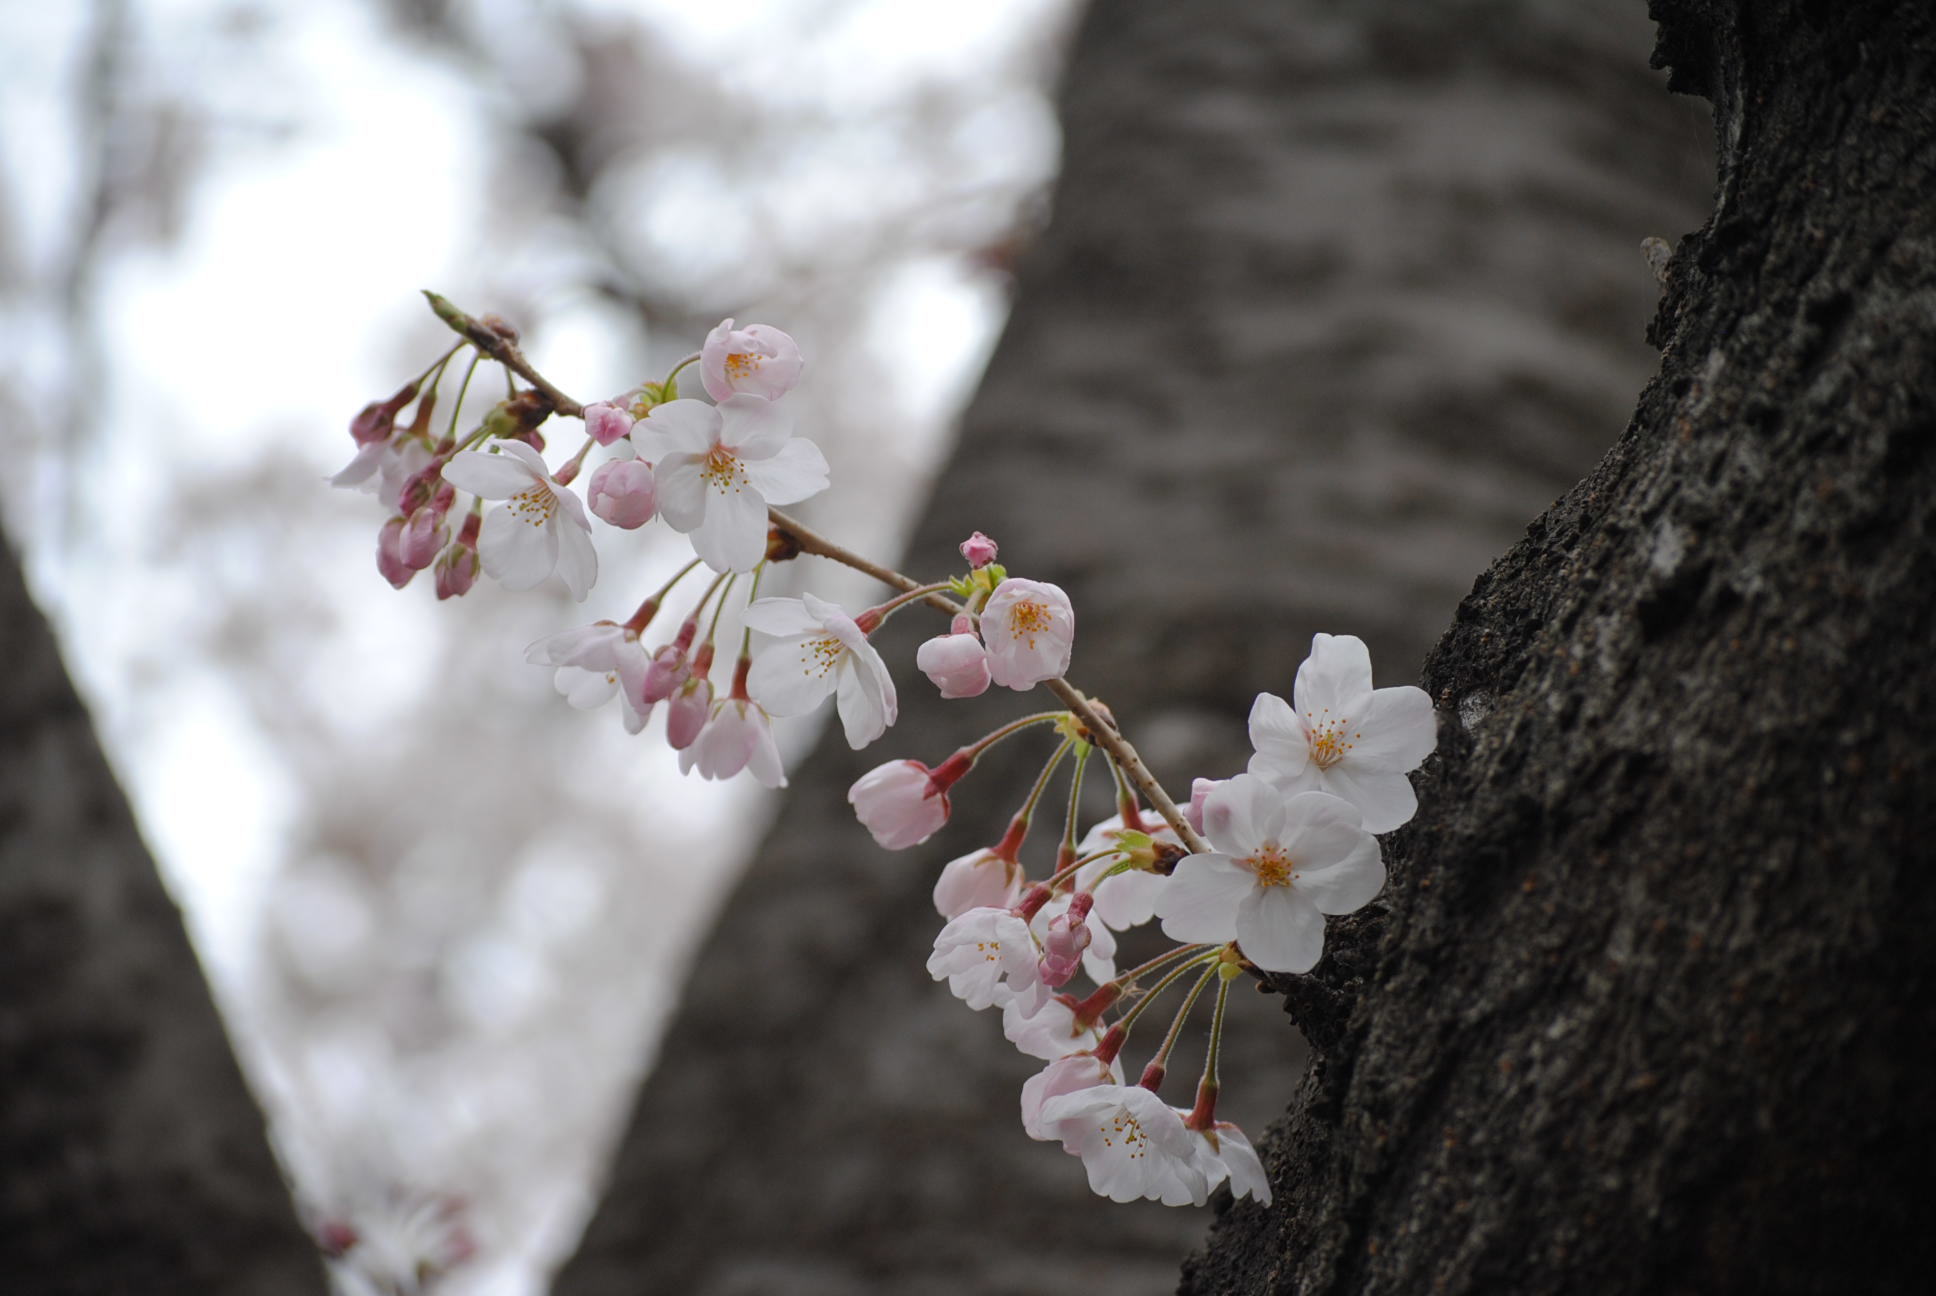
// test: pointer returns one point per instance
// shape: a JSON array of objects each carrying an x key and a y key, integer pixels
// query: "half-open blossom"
[
  {"x": 383, "y": 467},
  {"x": 1345, "y": 737},
  {"x": 1131, "y": 1142},
  {"x": 608, "y": 421},
  {"x": 738, "y": 737},
  {"x": 540, "y": 528},
  {"x": 1028, "y": 628},
  {"x": 980, "y": 879},
  {"x": 1224, "y": 1151},
  {"x": 1068, "y": 937},
  {"x": 987, "y": 956},
  {"x": 1095, "y": 947},
  {"x": 899, "y": 802},
  {"x": 1065, "y": 1074},
  {"x": 817, "y": 650},
  {"x": 1050, "y": 1031},
  {"x": 1279, "y": 865},
  {"x": 389, "y": 554},
  {"x": 623, "y": 493},
  {"x": 956, "y": 661},
  {"x": 595, "y": 662},
  {"x": 758, "y": 359},
  {"x": 719, "y": 466}
]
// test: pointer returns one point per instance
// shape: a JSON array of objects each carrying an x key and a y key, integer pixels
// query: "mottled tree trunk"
[
  {"x": 1649, "y": 1006},
  {"x": 1334, "y": 297},
  {"x": 132, "y": 1158}
]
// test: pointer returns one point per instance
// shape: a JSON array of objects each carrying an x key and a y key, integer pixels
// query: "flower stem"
[{"x": 1153, "y": 1073}]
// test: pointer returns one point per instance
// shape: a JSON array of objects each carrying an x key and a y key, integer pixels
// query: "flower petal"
[
  {"x": 1337, "y": 671},
  {"x": 732, "y": 535},
  {"x": 1385, "y": 800},
  {"x": 753, "y": 426},
  {"x": 789, "y": 678},
  {"x": 489, "y": 476},
  {"x": 676, "y": 427},
  {"x": 780, "y": 616},
  {"x": 863, "y": 716},
  {"x": 1278, "y": 736},
  {"x": 1398, "y": 730},
  {"x": 682, "y": 491},
  {"x": 577, "y": 559},
  {"x": 794, "y": 472},
  {"x": 1280, "y": 930},
  {"x": 516, "y": 554},
  {"x": 1201, "y": 901},
  {"x": 1230, "y": 814}
]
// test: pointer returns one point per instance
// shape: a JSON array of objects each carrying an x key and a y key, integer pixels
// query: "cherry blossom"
[
  {"x": 1066, "y": 1074},
  {"x": 1049, "y": 1032},
  {"x": 818, "y": 649},
  {"x": 738, "y": 737},
  {"x": 1131, "y": 1142},
  {"x": 987, "y": 956},
  {"x": 687, "y": 713},
  {"x": 719, "y": 466},
  {"x": 1097, "y": 951},
  {"x": 956, "y": 661},
  {"x": 1028, "y": 628},
  {"x": 758, "y": 359},
  {"x": 540, "y": 528},
  {"x": 1280, "y": 864},
  {"x": 608, "y": 421},
  {"x": 382, "y": 468},
  {"x": 982, "y": 878},
  {"x": 594, "y": 662},
  {"x": 1345, "y": 737},
  {"x": 979, "y": 550},
  {"x": 899, "y": 802}
]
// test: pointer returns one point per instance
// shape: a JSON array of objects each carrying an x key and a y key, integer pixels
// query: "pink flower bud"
[
  {"x": 624, "y": 493},
  {"x": 423, "y": 535},
  {"x": 389, "y": 554},
  {"x": 456, "y": 571},
  {"x": 667, "y": 670},
  {"x": 1068, "y": 937},
  {"x": 689, "y": 711},
  {"x": 1200, "y": 789},
  {"x": 607, "y": 422},
  {"x": 956, "y": 662},
  {"x": 979, "y": 550},
  {"x": 900, "y": 803}
]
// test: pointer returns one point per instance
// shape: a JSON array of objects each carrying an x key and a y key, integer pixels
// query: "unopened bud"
[
  {"x": 624, "y": 493},
  {"x": 456, "y": 571},
  {"x": 688, "y": 713},
  {"x": 389, "y": 555},
  {"x": 606, "y": 422},
  {"x": 423, "y": 536},
  {"x": 979, "y": 550}
]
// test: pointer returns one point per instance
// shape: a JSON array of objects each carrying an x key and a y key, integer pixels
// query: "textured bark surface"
[
  {"x": 1334, "y": 298},
  {"x": 1649, "y": 1007},
  {"x": 132, "y": 1158}
]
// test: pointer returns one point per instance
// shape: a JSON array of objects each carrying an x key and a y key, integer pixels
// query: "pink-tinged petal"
[
  {"x": 635, "y": 717},
  {"x": 712, "y": 360},
  {"x": 594, "y": 646},
  {"x": 778, "y": 368},
  {"x": 1280, "y": 930},
  {"x": 732, "y": 535},
  {"x": 764, "y": 763},
  {"x": 631, "y": 675},
  {"x": 780, "y": 617},
  {"x": 577, "y": 560},
  {"x": 1397, "y": 732},
  {"x": 1347, "y": 885},
  {"x": 725, "y": 745},
  {"x": 796, "y": 471},
  {"x": 1278, "y": 735},
  {"x": 515, "y": 553},
  {"x": 789, "y": 677},
  {"x": 1337, "y": 672},
  {"x": 682, "y": 491},
  {"x": 489, "y": 476},
  {"x": 583, "y": 689},
  {"x": 753, "y": 426},
  {"x": 1230, "y": 814},
  {"x": 676, "y": 427},
  {"x": 863, "y": 716},
  {"x": 1385, "y": 800},
  {"x": 1201, "y": 901}
]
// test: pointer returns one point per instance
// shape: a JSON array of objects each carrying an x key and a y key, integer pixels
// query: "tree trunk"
[
  {"x": 134, "y": 1157},
  {"x": 1281, "y": 363},
  {"x": 1648, "y": 1005}
]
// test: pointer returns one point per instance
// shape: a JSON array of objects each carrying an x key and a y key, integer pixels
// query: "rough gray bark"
[
  {"x": 134, "y": 1158},
  {"x": 1649, "y": 1006},
  {"x": 1333, "y": 299}
]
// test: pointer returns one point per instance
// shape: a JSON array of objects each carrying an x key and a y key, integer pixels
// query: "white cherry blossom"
[
  {"x": 758, "y": 359},
  {"x": 1050, "y": 1031},
  {"x": 817, "y": 650},
  {"x": 594, "y": 662},
  {"x": 977, "y": 880},
  {"x": 987, "y": 957},
  {"x": 717, "y": 468},
  {"x": 737, "y": 737},
  {"x": 1224, "y": 1151},
  {"x": 1028, "y": 629},
  {"x": 1345, "y": 737},
  {"x": 541, "y": 527},
  {"x": 1066, "y": 1074},
  {"x": 1280, "y": 864},
  {"x": 1131, "y": 1142}
]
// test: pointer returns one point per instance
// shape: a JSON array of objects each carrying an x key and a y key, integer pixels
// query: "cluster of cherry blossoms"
[{"x": 1242, "y": 876}]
